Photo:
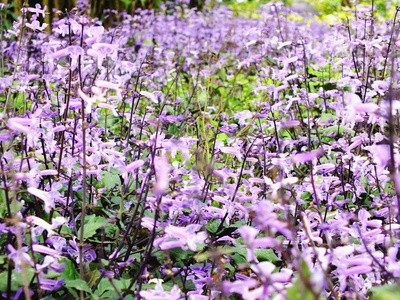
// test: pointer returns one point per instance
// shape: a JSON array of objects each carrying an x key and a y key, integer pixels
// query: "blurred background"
[{"x": 101, "y": 8}]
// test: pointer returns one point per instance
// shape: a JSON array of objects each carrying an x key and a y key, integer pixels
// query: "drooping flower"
[
  {"x": 46, "y": 197},
  {"x": 307, "y": 156},
  {"x": 162, "y": 167},
  {"x": 380, "y": 154}
]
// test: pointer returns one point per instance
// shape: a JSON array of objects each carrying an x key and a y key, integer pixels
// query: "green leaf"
[
  {"x": 327, "y": 117},
  {"x": 337, "y": 129},
  {"x": 266, "y": 255},
  {"x": 73, "y": 293},
  {"x": 78, "y": 284},
  {"x": 92, "y": 223},
  {"x": 222, "y": 137},
  {"x": 127, "y": 3},
  {"x": 94, "y": 275},
  {"x": 110, "y": 180},
  {"x": 386, "y": 292},
  {"x": 299, "y": 290},
  {"x": 212, "y": 226},
  {"x": 239, "y": 259},
  {"x": 305, "y": 196},
  {"x": 16, "y": 279},
  {"x": 104, "y": 285},
  {"x": 177, "y": 254},
  {"x": 3, "y": 206},
  {"x": 2, "y": 259},
  {"x": 69, "y": 272},
  {"x": 238, "y": 250}
]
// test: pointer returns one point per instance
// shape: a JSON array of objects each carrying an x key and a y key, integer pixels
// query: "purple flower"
[
  {"x": 19, "y": 257},
  {"x": 158, "y": 292},
  {"x": 20, "y": 124},
  {"x": 162, "y": 167},
  {"x": 44, "y": 196},
  {"x": 183, "y": 237},
  {"x": 51, "y": 284},
  {"x": 35, "y": 25},
  {"x": 380, "y": 86},
  {"x": 87, "y": 252},
  {"x": 38, "y": 10},
  {"x": 380, "y": 155},
  {"x": 307, "y": 156}
]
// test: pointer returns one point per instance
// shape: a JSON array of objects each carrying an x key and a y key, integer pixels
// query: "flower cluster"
[{"x": 210, "y": 153}]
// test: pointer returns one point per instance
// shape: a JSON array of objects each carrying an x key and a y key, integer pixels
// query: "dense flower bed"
[{"x": 200, "y": 155}]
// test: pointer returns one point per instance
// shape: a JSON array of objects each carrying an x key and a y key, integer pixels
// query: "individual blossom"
[
  {"x": 355, "y": 105},
  {"x": 307, "y": 156},
  {"x": 184, "y": 237},
  {"x": 46, "y": 197},
  {"x": 102, "y": 50},
  {"x": 130, "y": 168},
  {"x": 380, "y": 86},
  {"x": 158, "y": 292},
  {"x": 35, "y": 25},
  {"x": 380, "y": 154},
  {"x": 162, "y": 168},
  {"x": 243, "y": 116},
  {"x": 38, "y": 10},
  {"x": 88, "y": 253},
  {"x": 56, "y": 222},
  {"x": 94, "y": 34},
  {"x": 51, "y": 284},
  {"x": 20, "y": 257},
  {"x": 74, "y": 52},
  {"x": 20, "y": 125}
]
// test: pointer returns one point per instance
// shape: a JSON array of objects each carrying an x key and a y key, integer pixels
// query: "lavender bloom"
[
  {"x": 19, "y": 124},
  {"x": 44, "y": 196},
  {"x": 35, "y": 25},
  {"x": 159, "y": 157},
  {"x": 158, "y": 293},
  {"x": 51, "y": 284},
  {"x": 381, "y": 156},
  {"x": 19, "y": 257},
  {"x": 88, "y": 253},
  {"x": 185, "y": 238},
  {"x": 307, "y": 156}
]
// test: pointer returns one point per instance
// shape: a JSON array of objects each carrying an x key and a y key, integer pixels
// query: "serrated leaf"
[
  {"x": 69, "y": 272},
  {"x": 92, "y": 223}
]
